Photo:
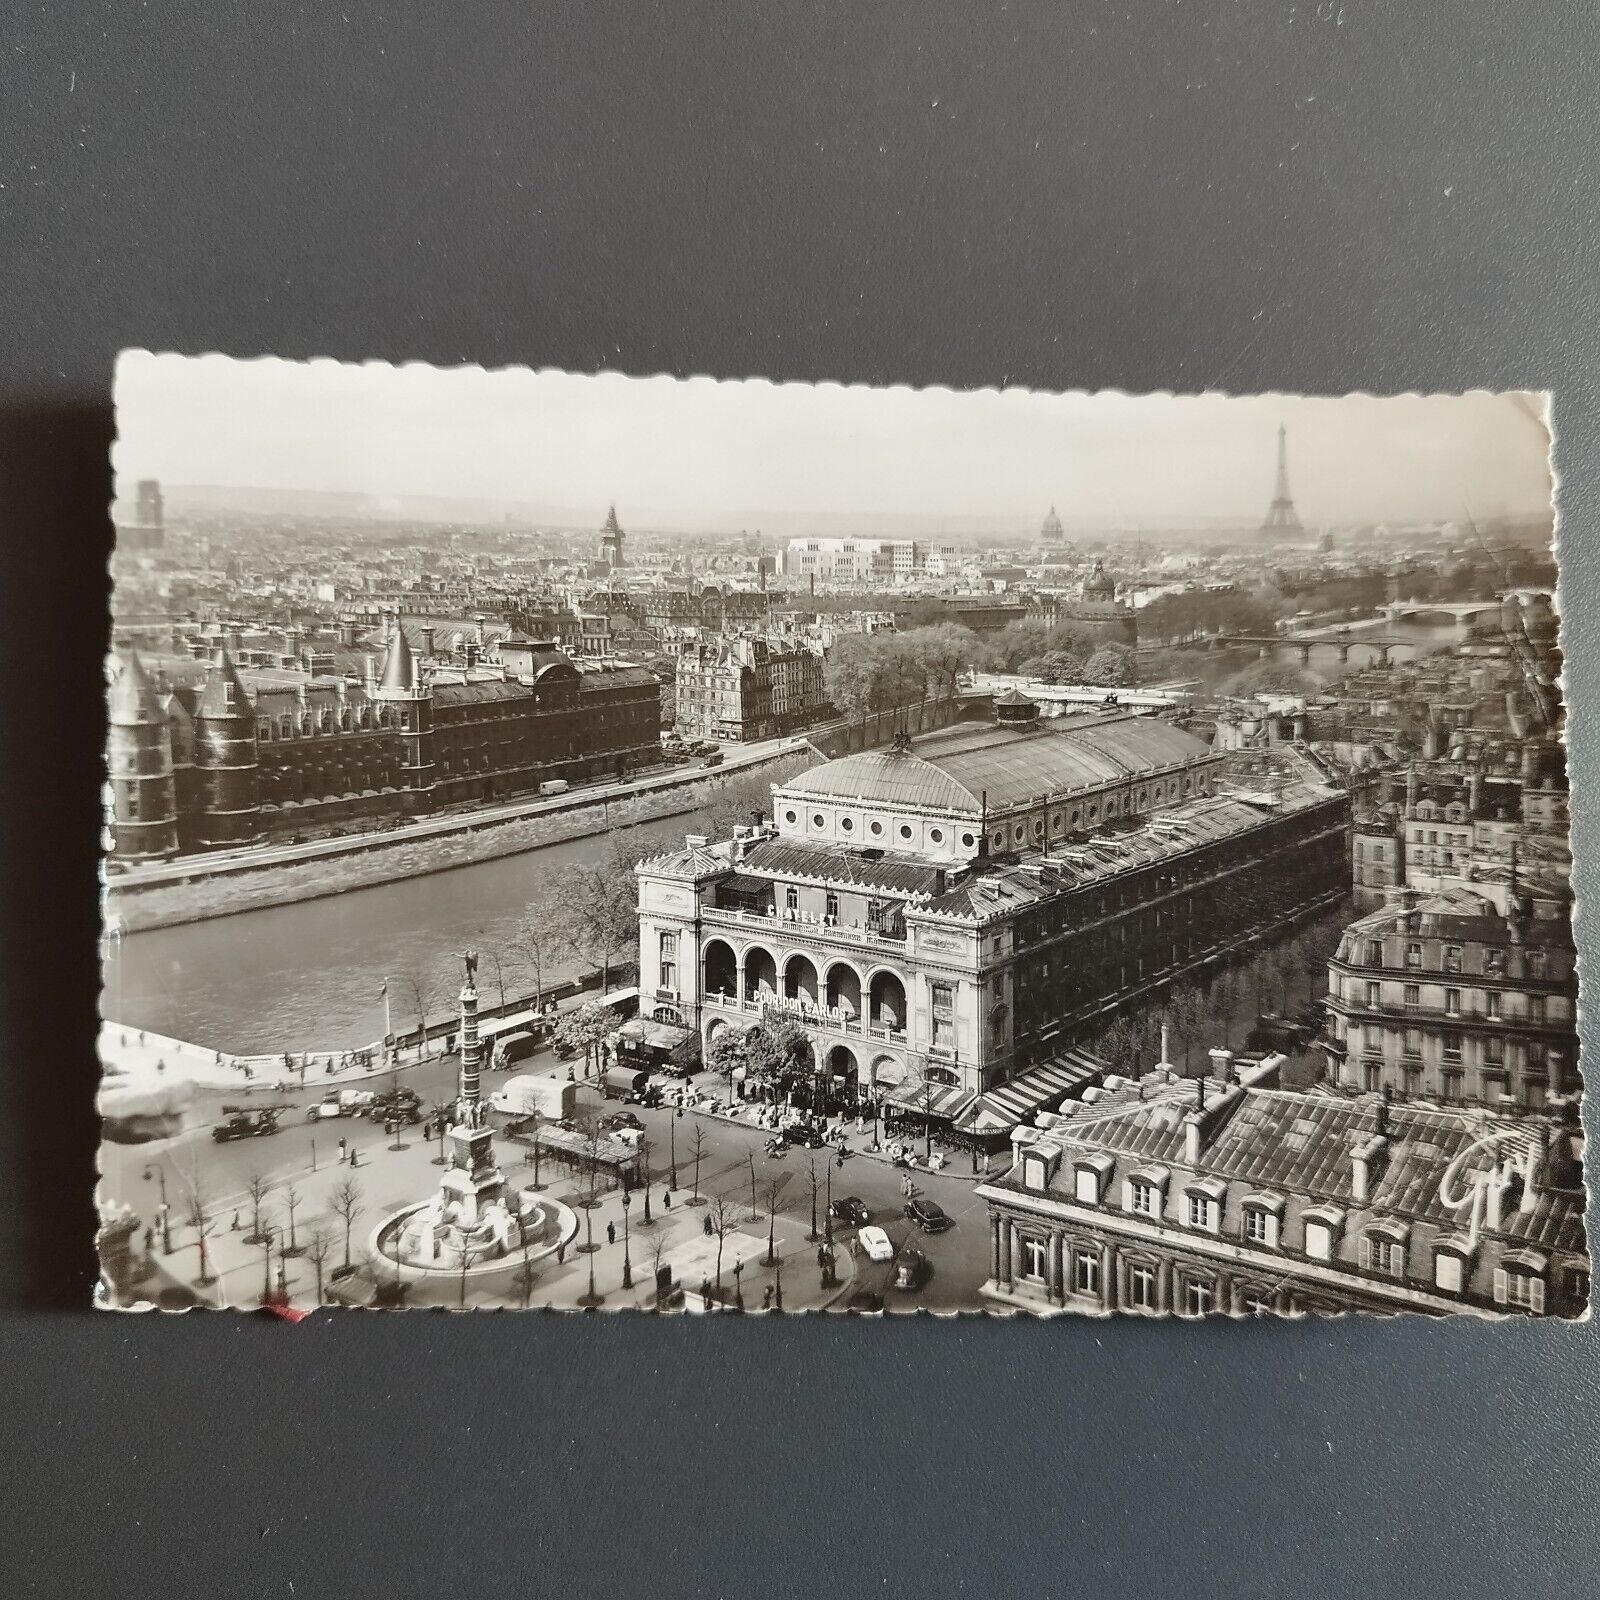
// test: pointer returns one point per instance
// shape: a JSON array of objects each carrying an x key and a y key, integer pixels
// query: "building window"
[
  {"x": 1143, "y": 1198},
  {"x": 1522, "y": 1291},
  {"x": 905, "y": 830},
  {"x": 943, "y": 1011},
  {"x": 1374, "y": 994},
  {"x": 936, "y": 835},
  {"x": 846, "y": 825},
  {"x": 1452, "y": 1046},
  {"x": 1086, "y": 1272},
  {"x": 1319, "y": 1240},
  {"x": 669, "y": 960},
  {"x": 1492, "y": 1003},
  {"x": 1260, "y": 1226},
  {"x": 1494, "y": 1050},
  {"x": 1452, "y": 958},
  {"x": 1035, "y": 1258},
  {"x": 1452, "y": 1002},
  {"x": 1535, "y": 1008},
  {"x": 1413, "y": 995},
  {"x": 791, "y": 898},
  {"x": 1413, "y": 955},
  {"x": 1447, "y": 1274},
  {"x": 1142, "y": 1288},
  {"x": 1201, "y": 1211},
  {"x": 875, "y": 829},
  {"x": 1375, "y": 953},
  {"x": 1412, "y": 1043},
  {"x": 1199, "y": 1296},
  {"x": 1256, "y": 1302},
  {"x": 832, "y": 905},
  {"x": 1384, "y": 1255}
]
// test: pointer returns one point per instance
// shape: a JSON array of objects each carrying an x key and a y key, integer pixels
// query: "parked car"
[
  {"x": 850, "y": 1210},
  {"x": 399, "y": 1105},
  {"x": 876, "y": 1243},
  {"x": 865, "y": 1303},
  {"x": 929, "y": 1215},
  {"x": 910, "y": 1268},
  {"x": 246, "y": 1125},
  {"x": 804, "y": 1133},
  {"x": 713, "y": 760},
  {"x": 620, "y": 1119}
]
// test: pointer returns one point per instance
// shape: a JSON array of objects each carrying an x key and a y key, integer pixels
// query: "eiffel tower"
[{"x": 1281, "y": 515}]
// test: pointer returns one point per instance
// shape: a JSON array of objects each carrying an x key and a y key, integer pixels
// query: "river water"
[{"x": 311, "y": 975}]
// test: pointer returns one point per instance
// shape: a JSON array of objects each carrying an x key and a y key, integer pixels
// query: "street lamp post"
[
  {"x": 672, "y": 1141},
  {"x": 266, "y": 1263},
  {"x": 738, "y": 1295},
  {"x": 627, "y": 1260},
  {"x": 827, "y": 1216}
]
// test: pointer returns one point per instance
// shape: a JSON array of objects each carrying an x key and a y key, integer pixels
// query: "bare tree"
[
  {"x": 814, "y": 1181},
  {"x": 697, "y": 1149},
  {"x": 196, "y": 1210},
  {"x": 724, "y": 1216},
  {"x": 755, "y": 1207},
  {"x": 418, "y": 986},
  {"x": 499, "y": 973},
  {"x": 291, "y": 1198},
  {"x": 319, "y": 1246},
  {"x": 348, "y": 1204},
  {"x": 256, "y": 1188},
  {"x": 536, "y": 941},
  {"x": 772, "y": 1197},
  {"x": 657, "y": 1249}
]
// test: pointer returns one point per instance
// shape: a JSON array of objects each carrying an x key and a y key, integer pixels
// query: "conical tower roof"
[
  {"x": 133, "y": 701},
  {"x": 611, "y": 521},
  {"x": 399, "y": 665},
  {"x": 223, "y": 695}
]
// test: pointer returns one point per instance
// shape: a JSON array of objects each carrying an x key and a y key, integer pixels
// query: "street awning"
[
  {"x": 941, "y": 1102},
  {"x": 655, "y": 1035},
  {"x": 1040, "y": 1088}
]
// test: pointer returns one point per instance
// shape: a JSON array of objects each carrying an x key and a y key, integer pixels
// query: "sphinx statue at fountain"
[{"x": 476, "y": 1217}]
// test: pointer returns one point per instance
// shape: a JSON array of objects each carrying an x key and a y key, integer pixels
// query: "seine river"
[{"x": 310, "y": 975}]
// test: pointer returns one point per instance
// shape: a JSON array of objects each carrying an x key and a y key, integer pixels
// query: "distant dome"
[{"x": 1098, "y": 586}]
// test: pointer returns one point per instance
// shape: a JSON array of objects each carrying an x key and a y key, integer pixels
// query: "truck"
[
  {"x": 625, "y": 1083},
  {"x": 346, "y": 1103},
  {"x": 554, "y": 786},
  {"x": 246, "y": 1125},
  {"x": 525, "y": 1094}
]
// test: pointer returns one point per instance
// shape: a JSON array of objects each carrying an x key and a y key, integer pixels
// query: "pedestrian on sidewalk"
[
  {"x": 666, "y": 1200},
  {"x": 235, "y": 1227},
  {"x": 344, "y": 1151},
  {"x": 353, "y": 1161},
  {"x": 561, "y": 1252},
  {"x": 705, "y": 1226},
  {"x": 611, "y": 1233}
]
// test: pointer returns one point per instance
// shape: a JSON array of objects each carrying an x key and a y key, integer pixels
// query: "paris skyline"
[{"x": 708, "y": 455}]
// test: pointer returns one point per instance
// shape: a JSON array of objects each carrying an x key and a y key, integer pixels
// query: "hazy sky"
[{"x": 707, "y": 453}]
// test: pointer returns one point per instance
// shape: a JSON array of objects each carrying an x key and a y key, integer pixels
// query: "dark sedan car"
[
  {"x": 803, "y": 1133},
  {"x": 929, "y": 1216},
  {"x": 910, "y": 1268},
  {"x": 850, "y": 1210},
  {"x": 620, "y": 1119},
  {"x": 865, "y": 1302}
]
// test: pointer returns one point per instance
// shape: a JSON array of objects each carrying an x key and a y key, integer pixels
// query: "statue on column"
[{"x": 471, "y": 960}]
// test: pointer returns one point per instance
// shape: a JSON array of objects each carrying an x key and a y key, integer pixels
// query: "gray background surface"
[{"x": 1250, "y": 196}]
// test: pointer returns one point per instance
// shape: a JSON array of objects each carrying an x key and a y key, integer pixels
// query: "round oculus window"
[
  {"x": 968, "y": 840},
  {"x": 846, "y": 824},
  {"x": 875, "y": 828},
  {"x": 818, "y": 820},
  {"x": 905, "y": 830},
  {"x": 789, "y": 816},
  {"x": 936, "y": 835}
]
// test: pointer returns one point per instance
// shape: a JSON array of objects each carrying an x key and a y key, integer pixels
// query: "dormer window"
[
  {"x": 1144, "y": 1193},
  {"x": 1452, "y": 1264},
  {"x": 1383, "y": 1250},
  {"x": 1203, "y": 1204},
  {"x": 1262, "y": 1220},
  {"x": 1090, "y": 1177},
  {"x": 1519, "y": 1281},
  {"x": 1323, "y": 1225}
]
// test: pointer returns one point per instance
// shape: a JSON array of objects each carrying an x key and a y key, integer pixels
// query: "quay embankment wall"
[{"x": 373, "y": 858}]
